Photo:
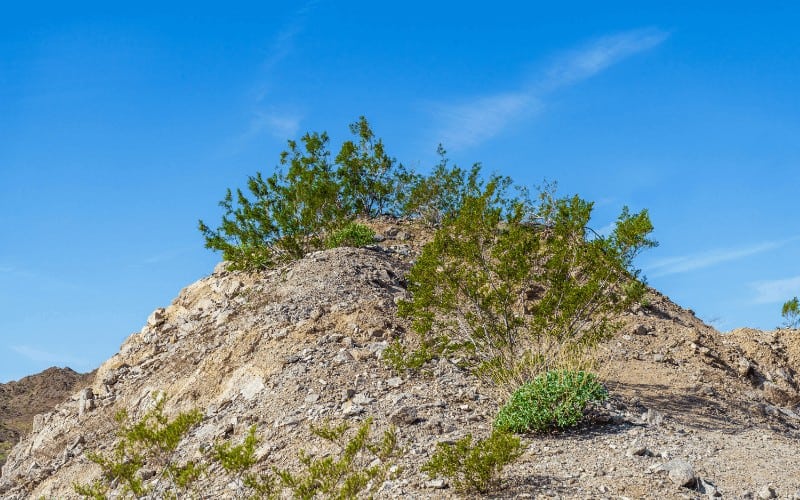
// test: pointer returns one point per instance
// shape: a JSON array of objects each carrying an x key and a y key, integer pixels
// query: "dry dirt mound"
[{"x": 302, "y": 344}]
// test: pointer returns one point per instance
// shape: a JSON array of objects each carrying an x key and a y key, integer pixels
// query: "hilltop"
[{"x": 302, "y": 343}]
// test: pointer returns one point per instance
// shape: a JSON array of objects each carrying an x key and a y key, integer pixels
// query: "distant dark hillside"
[{"x": 22, "y": 399}]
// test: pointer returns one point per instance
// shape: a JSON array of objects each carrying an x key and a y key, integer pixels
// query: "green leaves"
[
  {"x": 300, "y": 207},
  {"x": 522, "y": 287},
  {"x": 474, "y": 467},
  {"x": 363, "y": 465},
  {"x": 791, "y": 313},
  {"x": 149, "y": 441},
  {"x": 553, "y": 400}
]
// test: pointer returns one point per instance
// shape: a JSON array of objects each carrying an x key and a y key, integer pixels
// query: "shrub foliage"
[
  {"x": 474, "y": 467},
  {"x": 551, "y": 401},
  {"x": 791, "y": 313},
  {"x": 303, "y": 204},
  {"x": 150, "y": 441},
  {"x": 523, "y": 287}
]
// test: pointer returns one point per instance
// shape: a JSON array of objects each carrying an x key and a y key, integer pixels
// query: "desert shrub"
[
  {"x": 150, "y": 441},
  {"x": 791, "y": 313},
  {"x": 289, "y": 213},
  {"x": 294, "y": 210},
  {"x": 351, "y": 235},
  {"x": 362, "y": 466},
  {"x": 435, "y": 197},
  {"x": 553, "y": 400},
  {"x": 474, "y": 467},
  {"x": 524, "y": 287},
  {"x": 372, "y": 183},
  {"x": 238, "y": 460}
]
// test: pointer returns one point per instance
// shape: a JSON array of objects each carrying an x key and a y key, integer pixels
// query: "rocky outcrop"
[{"x": 302, "y": 344}]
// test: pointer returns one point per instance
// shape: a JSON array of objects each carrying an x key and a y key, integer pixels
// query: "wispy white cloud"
[
  {"x": 41, "y": 356},
  {"x": 481, "y": 118},
  {"x": 602, "y": 53},
  {"x": 685, "y": 263},
  {"x": 264, "y": 118},
  {"x": 476, "y": 121},
  {"x": 776, "y": 290}
]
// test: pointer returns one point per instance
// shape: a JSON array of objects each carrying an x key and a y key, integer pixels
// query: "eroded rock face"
[{"x": 302, "y": 344}]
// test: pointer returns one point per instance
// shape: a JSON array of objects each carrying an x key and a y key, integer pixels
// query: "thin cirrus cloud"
[
  {"x": 686, "y": 263},
  {"x": 278, "y": 124},
  {"x": 776, "y": 290},
  {"x": 472, "y": 122}
]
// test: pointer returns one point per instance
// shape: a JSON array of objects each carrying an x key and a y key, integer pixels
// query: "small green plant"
[
  {"x": 362, "y": 467},
  {"x": 150, "y": 441},
  {"x": 474, "y": 466},
  {"x": 351, "y": 235},
  {"x": 791, "y": 313},
  {"x": 237, "y": 460},
  {"x": 553, "y": 400}
]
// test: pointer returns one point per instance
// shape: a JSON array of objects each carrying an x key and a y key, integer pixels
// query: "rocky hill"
[
  {"x": 22, "y": 399},
  {"x": 302, "y": 344}
]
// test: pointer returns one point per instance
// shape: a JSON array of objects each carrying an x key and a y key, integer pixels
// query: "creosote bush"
[
  {"x": 362, "y": 467},
  {"x": 521, "y": 287},
  {"x": 791, "y": 313},
  {"x": 555, "y": 400},
  {"x": 474, "y": 466},
  {"x": 238, "y": 460},
  {"x": 306, "y": 204},
  {"x": 151, "y": 441}
]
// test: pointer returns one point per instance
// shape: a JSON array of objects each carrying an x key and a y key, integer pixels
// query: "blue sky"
[{"x": 121, "y": 126}]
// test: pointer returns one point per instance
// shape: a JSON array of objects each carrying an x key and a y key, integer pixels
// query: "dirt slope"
[{"x": 301, "y": 344}]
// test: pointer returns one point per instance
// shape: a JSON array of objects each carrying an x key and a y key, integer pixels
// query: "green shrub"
[
  {"x": 437, "y": 197},
  {"x": 791, "y": 313},
  {"x": 351, "y": 235},
  {"x": 524, "y": 287},
  {"x": 150, "y": 441},
  {"x": 553, "y": 400},
  {"x": 291, "y": 212},
  {"x": 237, "y": 460},
  {"x": 362, "y": 467},
  {"x": 474, "y": 467}
]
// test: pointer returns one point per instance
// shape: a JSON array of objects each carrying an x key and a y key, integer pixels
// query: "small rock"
[
  {"x": 362, "y": 399},
  {"x": 404, "y": 416},
  {"x": 707, "y": 488},
  {"x": 766, "y": 492},
  {"x": 652, "y": 417},
  {"x": 639, "y": 451},
  {"x": 311, "y": 398},
  {"x": 658, "y": 358},
  {"x": 436, "y": 484},
  {"x": 86, "y": 401},
  {"x": 347, "y": 394},
  {"x": 156, "y": 318},
  {"x": 394, "y": 382},
  {"x": 743, "y": 367},
  {"x": 351, "y": 410},
  {"x": 640, "y": 330}
]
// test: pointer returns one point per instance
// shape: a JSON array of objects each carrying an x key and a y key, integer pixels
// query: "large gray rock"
[{"x": 679, "y": 472}]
